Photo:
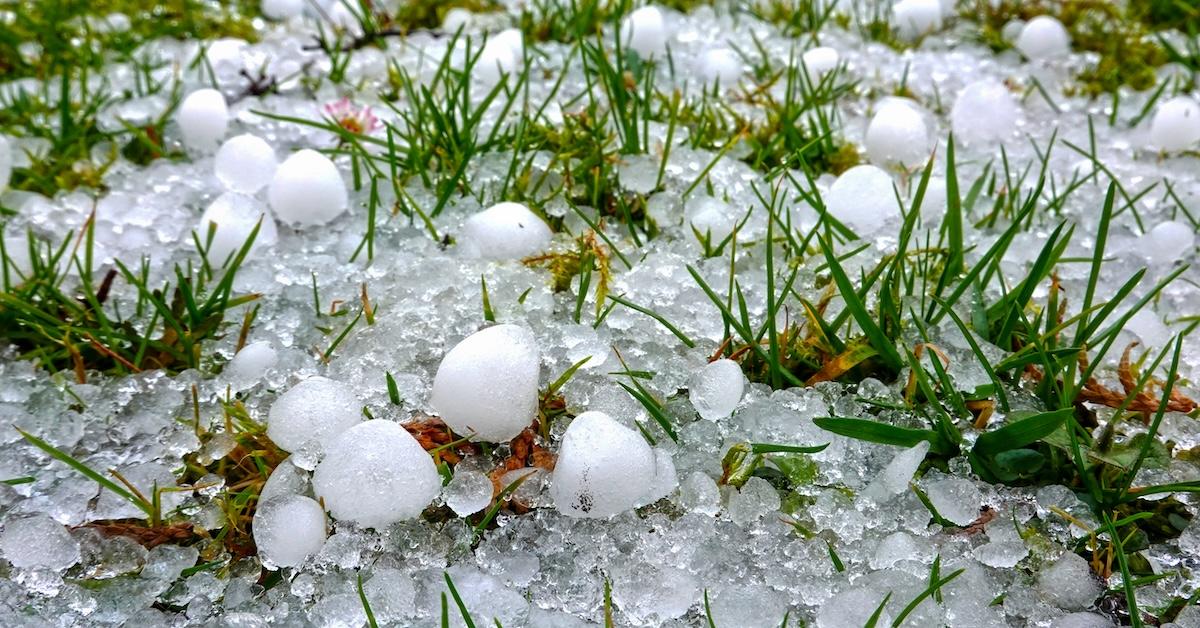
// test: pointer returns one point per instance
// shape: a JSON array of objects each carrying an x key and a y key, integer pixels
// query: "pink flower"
[{"x": 349, "y": 116}]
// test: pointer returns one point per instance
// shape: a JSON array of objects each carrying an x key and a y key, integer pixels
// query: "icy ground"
[{"x": 822, "y": 541}]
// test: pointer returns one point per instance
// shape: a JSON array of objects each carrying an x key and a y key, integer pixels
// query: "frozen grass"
[{"x": 1023, "y": 281}]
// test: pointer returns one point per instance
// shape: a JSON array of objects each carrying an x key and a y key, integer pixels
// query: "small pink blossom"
[{"x": 349, "y": 116}]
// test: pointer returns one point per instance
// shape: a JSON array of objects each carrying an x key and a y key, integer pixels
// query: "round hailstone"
[
  {"x": 603, "y": 468},
  {"x": 863, "y": 199},
  {"x": 985, "y": 111},
  {"x": 495, "y": 61},
  {"x": 1169, "y": 241},
  {"x": 37, "y": 541},
  {"x": 245, "y": 164},
  {"x": 6, "y": 159},
  {"x": 315, "y": 410},
  {"x": 1043, "y": 37},
  {"x": 716, "y": 389},
  {"x": 1176, "y": 124},
  {"x": 235, "y": 216},
  {"x": 376, "y": 474},
  {"x": 897, "y": 135},
  {"x": 203, "y": 118},
  {"x": 250, "y": 364},
  {"x": 505, "y": 231},
  {"x": 281, "y": 9},
  {"x": 468, "y": 492},
  {"x": 820, "y": 61},
  {"x": 645, "y": 31},
  {"x": 288, "y": 529},
  {"x": 711, "y": 217},
  {"x": 487, "y": 385},
  {"x": 307, "y": 190},
  {"x": 915, "y": 18},
  {"x": 721, "y": 66},
  {"x": 455, "y": 19}
]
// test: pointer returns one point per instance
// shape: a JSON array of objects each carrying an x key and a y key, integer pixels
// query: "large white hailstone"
[
  {"x": 281, "y": 9},
  {"x": 288, "y": 529},
  {"x": 722, "y": 66},
  {"x": 985, "y": 111},
  {"x": 514, "y": 39},
  {"x": 37, "y": 541},
  {"x": 250, "y": 365},
  {"x": 203, "y": 119},
  {"x": 863, "y": 199},
  {"x": 245, "y": 163},
  {"x": 1043, "y": 37},
  {"x": 1176, "y": 124},
  {"x": 6, "y": 162},
  {"x": 716, "y": 389},
  {"x": 487, "y": 385},
  {"x": 820, "y": 61},
  {"x": 1169, "y": 241},
  {"x": 456, "y": 18},
  {"x": 710, "y": 217},
  {"x": 505, "y": 231},
  {"x": 317, "y": 410},
  {"x": 307, "y": 189},
  {"x": 376, "y": 474},
  {"x": 915, "y": 18},
  {"x": 897, "y": 135},
  {"x": 235, "y": 216},
  {"x": 495, "y": 61},
  {"x": 603, "y": 468},
  {"x": 645, "y": 31}
]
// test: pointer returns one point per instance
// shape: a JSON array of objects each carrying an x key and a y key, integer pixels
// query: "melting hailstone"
[
  {"x": 820, "y": 61},
  {"x": 468, "y": 492},
  {"x": 711, "y": 217},
  {"x": 897, "y": 134},
  {"x": 203, "y": 119},
  {"x": 721, "y": 66},
  {"x": 376, "y": 474},
  {"x": 985, "y": 111},
  {"x": 645, "y": 31},
  {"x": 250, "y": 365},
  {"x": 233, "y": 217},
  {"x": 603, "y": 468},
  {"x": 37, "y": 541},
  {"x": 487, "y": 385},
  {"x": 1068, "y": 583},
  {"x": 1176, "y": 124},
  {"x": 716, "y": 389},
  {"x": 315, "y": 410},
  {"x": 863, "y": 199},
  {"x": 916, "y": 18},
  {"x": 288, "y": 529},
  {"x": 505, "y": 231},
  {"x": 281, "y": 9},
  {"x": 307, "y": 190},
  {"x": 1168, "y": 241},
  {"x": 503, "y": 54},
  {"x": 245, "y": 163}
]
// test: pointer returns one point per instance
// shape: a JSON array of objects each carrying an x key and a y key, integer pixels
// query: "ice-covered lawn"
[{"x": 551, "y": 313}]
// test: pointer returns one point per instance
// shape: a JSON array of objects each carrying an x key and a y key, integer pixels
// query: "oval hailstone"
[
  {"x": 645, "y": 31},
  {"x": 376, "y": 474},
  {"x": 281, "y": 9},
  {"x": 1176, "y": 124},
  {"x": 307, "y": 190},
  {"x": 863, "y": 199},
  {"x": 603, "y": 468},
  {"x": 288, "y": 529},
  {"x": 897, "y": 134},
  {"x": 203, "y": 119},
  {"x": 250, "y": 364},
  {"x": 315, "y": 410},
  {"x": 487, "y": 385},
  {"x": 820, "y": 61},
  {"x": 235, "y": 216},
  {"x": 505, "y": 231},
  {"x": 985, "y": 111},
  {"x": 716, "y": 389},
  {"x": 915, "y": 18},
  {"x": 496, "y": 60},
  {"x": 721, "y": 66},
  {"x": 1169, "y": 241},
  {"x": 245, "y": 163},
  {"x": 1043, "y": 37}
]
